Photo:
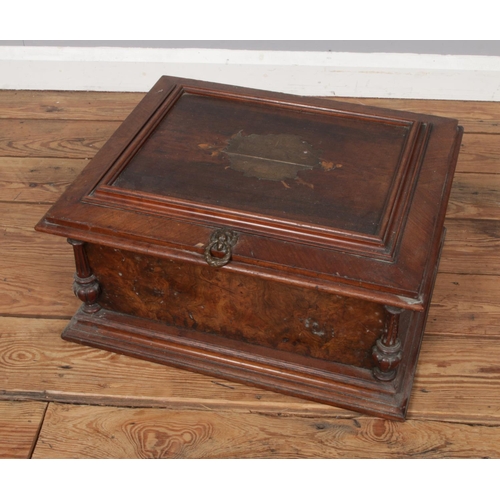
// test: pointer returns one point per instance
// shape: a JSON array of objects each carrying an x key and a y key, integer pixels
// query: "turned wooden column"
[
  {"x": 85, "y": 286},
  {"x": 387, "y": 351}
]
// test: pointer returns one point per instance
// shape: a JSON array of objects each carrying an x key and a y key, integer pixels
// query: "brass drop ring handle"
[{"x": 221, "y": 240}]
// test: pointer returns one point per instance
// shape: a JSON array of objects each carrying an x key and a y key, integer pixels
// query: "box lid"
[{"x": 340, "y": 196}]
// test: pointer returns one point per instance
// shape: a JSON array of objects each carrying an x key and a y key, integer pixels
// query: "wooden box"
[{"x": 286, "y": 242}]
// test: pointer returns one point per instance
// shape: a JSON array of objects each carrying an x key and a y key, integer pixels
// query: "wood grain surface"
[
  {"x": 243, "y": 308},
  {"x": 40, "y": 365},
  {"x": 31, "y": 284},
  {"x": 36, "y": 180},
  {"x": 458, "y": 378},
  {"x": 475, "y": 196},
  {"x": 471, "y": 247},
  {"x": 92, "y": 432},
  {"x": 479, "y": 153},
  {"x": 19, "y": 426},
  {"x": 465, "y": 304},
  {"x": 46, "y": 139},
  {"x": 49, "y": 105},
  {"x": 53, "y": 138}
]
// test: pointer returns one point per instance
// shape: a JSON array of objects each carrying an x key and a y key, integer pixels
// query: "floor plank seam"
[
  {"x": 14, "y": 202},
  {"x": 73, "y": 120},
  {"x": 456, "y": 422},
  {"x": 463, "y": 336},
  {"x": 472, "y": 172},
  {"x": 35, "y": 316},
  {"x": 465, "y": 131},
  {"x": 199, "y": 407},
  {"x": 466, "y": 274},
  {"x": 466, "y": 219},
  {"x": 60, "y": 157},
  {"x": 37, "y": 435}
]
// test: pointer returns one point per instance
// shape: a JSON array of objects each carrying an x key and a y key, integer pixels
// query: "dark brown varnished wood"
[
  {"x": 248, "y": 309},
  {"x": 85, "y": 286},
  {"x": 335, "y": 217},
  {"x": 387, "y": 352},
  {"x": 321, "y": 170}
]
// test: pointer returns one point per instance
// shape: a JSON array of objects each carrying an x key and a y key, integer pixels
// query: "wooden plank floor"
[{"x": 60, "y": 399}]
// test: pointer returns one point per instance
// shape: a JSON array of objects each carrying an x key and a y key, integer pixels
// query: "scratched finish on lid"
[{"x": 266, "y": 161}]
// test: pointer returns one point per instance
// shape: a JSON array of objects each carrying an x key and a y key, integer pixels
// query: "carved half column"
[
  {"x": 85, "y": 286},
  {"x": 387, "y": 351}
]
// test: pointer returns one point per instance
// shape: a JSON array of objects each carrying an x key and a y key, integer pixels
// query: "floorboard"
[
  {"x": 40, "y": 365},
  {"x": 471, "y": 247},
  {"x": 19, "y": 426},
  {"x": 465, "y": 304},
  {"x": 97, "y": 409},
  {"x": 56, "y": 105},
  {"x": 479, "y": 154},
  {"x": 88, "y": 432},
  {"x": 458, "y": 378},
  {"x": 36, "y": 180},
  {"x": 474, "y": 116},
  {"x": 475, "y": 196},
  {"x": 54, "y": 138}
]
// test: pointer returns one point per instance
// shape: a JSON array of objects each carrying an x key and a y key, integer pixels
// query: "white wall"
[
  {"x": 315, "y": 72},
  {"x": 443, "y": 47}
]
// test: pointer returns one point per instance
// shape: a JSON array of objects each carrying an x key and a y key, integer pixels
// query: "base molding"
[{"x": 347, "y": 387}]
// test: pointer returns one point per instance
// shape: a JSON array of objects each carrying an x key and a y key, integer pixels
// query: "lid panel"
[
  {"x": 184, "y": 163},
  {"x": 313, "y": 168}
]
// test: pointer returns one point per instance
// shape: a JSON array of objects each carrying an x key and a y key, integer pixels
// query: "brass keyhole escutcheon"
[{"x": 223, "y": 241}]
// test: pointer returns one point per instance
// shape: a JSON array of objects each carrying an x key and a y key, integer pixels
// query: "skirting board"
[{"x": 414, "y": 76}]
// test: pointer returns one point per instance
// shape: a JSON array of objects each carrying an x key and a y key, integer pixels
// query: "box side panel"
[{"x": 239, "y": 307}]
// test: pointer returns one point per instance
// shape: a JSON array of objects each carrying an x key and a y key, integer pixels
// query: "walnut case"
[{"x": 287, "y": 242}]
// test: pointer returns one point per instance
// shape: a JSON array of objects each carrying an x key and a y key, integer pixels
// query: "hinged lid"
[{"x": 343, "y": 196}]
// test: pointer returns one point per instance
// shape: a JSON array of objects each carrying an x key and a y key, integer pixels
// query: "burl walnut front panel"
[{"x": 245, "y": 308}]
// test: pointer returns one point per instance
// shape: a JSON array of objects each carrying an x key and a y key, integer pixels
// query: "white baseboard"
[{"x": 414, "y": 76}]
